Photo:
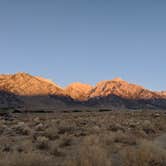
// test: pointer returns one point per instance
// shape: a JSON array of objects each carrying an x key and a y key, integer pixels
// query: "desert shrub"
[
  {"x": 55, "y": 151},
  {"x": 42, "y": 143},
  {"x": 22, "y": 129},
  {"x": 67, "y": 127},
  {"x": 148, "y": 127},
  {"x": 91, "y": 153},
  {"x": 28, "y": 159},
  {"x": 125, "y": 138},
  {"x": 116, "y": 127},
  {"x": 51, "y": 133},
  {"x": 147, "y": 154},
  {"x": 2, "y": 127},
  {"x": 160, "y": 124},
  {"x": 108, "y": 142},
  {"x": 40, "y": 127},
  {"x": 65, "y": 141},
  {"x": 36, "y": 120}
]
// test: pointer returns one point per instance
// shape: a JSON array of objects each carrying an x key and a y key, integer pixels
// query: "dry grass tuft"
[
  {"x": 125, "y": 138},
  {"x": 91, "y": 153},
  {"x": 147, "y": 154}
]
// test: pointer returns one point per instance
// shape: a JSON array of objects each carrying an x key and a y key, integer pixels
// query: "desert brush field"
[{"x": 97, "y": 138}]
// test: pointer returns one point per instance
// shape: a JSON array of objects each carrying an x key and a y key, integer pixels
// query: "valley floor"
[{"x": 115, "y": 138}]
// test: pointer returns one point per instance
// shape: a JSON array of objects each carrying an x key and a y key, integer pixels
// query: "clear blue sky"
[{"x": 85, "y": 40}]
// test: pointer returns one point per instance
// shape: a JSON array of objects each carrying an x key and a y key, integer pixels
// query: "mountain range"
[{"x": 27, "y": 92}]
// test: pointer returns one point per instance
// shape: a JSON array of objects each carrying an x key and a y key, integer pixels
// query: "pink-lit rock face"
[
  {"x": 78, "y": 91},
  {"x": 25, "y": 84},
  {"x": 121, "y": 88},
  {"x": 164, "y": 93}
]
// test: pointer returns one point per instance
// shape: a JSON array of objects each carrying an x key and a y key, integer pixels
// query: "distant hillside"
[{"x": 33, "y": 92}]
